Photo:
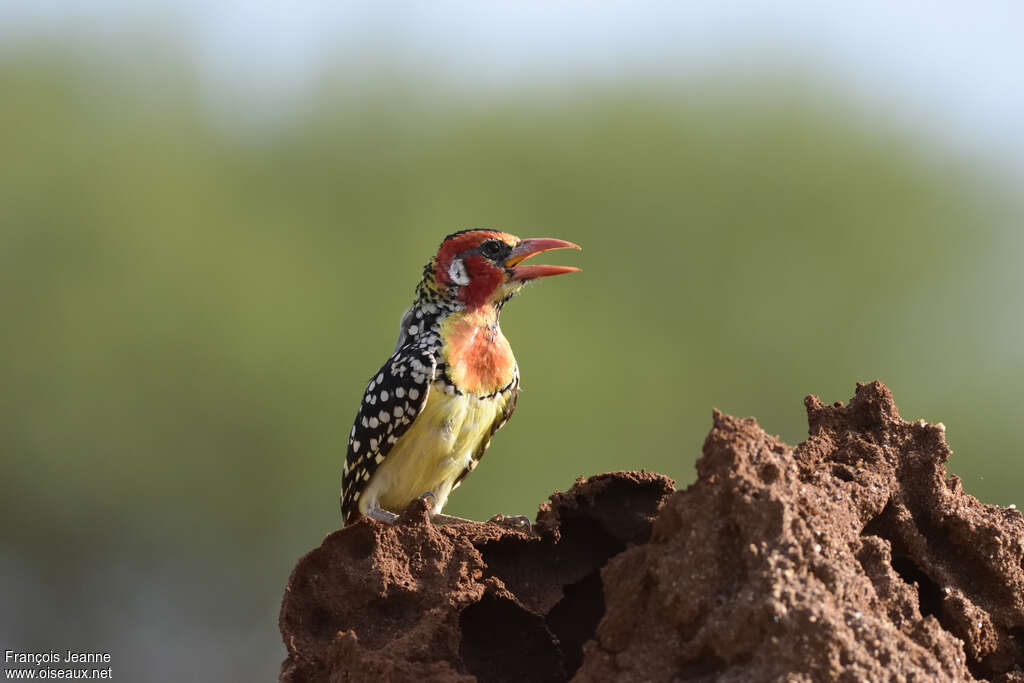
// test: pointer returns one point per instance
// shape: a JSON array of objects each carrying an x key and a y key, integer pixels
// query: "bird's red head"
[{"x": 483, "y": 266}]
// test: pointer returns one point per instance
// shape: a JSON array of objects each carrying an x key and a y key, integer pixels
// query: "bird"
[{"x": 428, "y": 414}]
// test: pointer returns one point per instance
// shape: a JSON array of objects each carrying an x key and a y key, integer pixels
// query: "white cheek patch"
[{"x": 457, "y": 272}]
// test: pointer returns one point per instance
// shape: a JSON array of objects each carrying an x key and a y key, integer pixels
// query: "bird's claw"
[{"x": 513, "y": 521}]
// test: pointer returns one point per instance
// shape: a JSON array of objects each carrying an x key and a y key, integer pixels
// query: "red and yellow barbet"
[{"x": 429, "y": 413}]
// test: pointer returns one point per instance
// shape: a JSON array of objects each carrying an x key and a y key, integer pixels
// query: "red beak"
[{"x": 532, "y": 247}]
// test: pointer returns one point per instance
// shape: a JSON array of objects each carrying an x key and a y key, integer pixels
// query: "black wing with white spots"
[{"x": 393, "y": 399}]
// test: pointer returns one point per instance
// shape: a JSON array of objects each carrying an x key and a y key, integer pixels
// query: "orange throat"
[{"x": 480, "y": 360}]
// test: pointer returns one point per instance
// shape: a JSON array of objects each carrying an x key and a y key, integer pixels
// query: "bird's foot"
[
  {"x": 382, "y": 515},
  {"x": 521, "y": 522},
  {"x": 441, "y": 520}
]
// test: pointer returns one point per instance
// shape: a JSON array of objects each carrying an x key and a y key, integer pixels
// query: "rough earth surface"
[{"x": 853, "y": 556}]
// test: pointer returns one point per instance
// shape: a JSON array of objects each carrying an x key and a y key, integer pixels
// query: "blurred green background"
[{"x": 194, "y": 301}]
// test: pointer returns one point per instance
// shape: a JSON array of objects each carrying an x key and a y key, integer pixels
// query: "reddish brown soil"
[{"x": 853, "y": 556}]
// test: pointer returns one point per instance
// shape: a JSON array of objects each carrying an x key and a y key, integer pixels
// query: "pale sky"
[{"x": 954, "y": 69}]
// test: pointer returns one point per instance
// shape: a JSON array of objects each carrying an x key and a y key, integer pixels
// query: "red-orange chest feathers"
[{"x": 479, "y": 358}]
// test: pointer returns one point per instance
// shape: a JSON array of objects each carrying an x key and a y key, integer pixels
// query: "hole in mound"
[
  {"x": 843, "y": 472},
  {"x": 574, "y": 619},
  {"x": 768, "y": 473},
  {"x": 625, "y": 509},
  {"x": 977, "y": 670},
  {"x": 502, "y": 642},
  {"x": 879, "y": 525},
  {"x": 1017, "y": 638},
  {"x": 586, "y": 543},
  {"x": 516, "y": 562},
  {"x": 705, "y": 667},
  {"x": 929, "y": 595},
  {"x": 537, "y": 572}
]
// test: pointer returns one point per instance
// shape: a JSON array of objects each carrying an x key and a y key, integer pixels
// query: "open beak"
[{"x": 532, "y": 247}]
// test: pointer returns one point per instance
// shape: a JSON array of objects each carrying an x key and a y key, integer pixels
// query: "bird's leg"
[{"x": 381, "y": 515}]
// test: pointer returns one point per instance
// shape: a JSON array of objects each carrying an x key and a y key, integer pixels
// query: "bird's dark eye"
[{"x": 492, "y": 249}]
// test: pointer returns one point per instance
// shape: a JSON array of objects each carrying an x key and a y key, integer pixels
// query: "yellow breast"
[{"x": 441, "y": 443}]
